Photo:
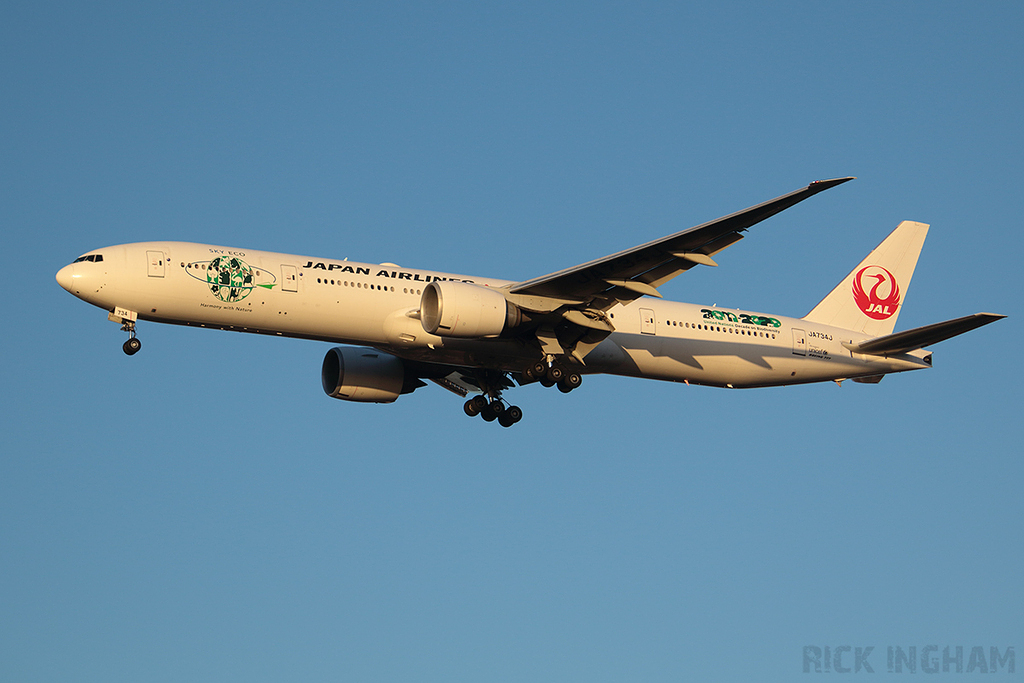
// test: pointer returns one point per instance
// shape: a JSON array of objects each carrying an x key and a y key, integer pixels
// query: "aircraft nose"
[{"x": 66, "y": 276}]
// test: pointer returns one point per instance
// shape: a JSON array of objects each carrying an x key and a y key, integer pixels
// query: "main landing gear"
[
  {"x": 553, "y": 374},
  {"x": 493, "y": 410},
  {"x": 489, "y": 404}
]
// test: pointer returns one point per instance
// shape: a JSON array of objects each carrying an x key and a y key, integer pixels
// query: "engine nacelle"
[
  {"x": 364, "y": 375},
  {"x": 461, "y": 309}
]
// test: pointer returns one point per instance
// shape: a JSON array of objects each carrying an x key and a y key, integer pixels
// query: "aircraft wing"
[
  {"x": 919, "y": 337},
  {"x": 635, "y": 272}
]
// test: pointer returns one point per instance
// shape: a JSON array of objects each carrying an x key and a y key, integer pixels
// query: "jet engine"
[
  {"x": 461, "y": 309},
  {"x": 365, "y": 375}
]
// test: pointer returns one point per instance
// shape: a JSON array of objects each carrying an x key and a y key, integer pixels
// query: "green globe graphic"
[{"x": 230, "y": 279}]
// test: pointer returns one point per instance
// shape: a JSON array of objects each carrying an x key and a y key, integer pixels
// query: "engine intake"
[
  {"x": 365, "y": 375},
  {"x": 461, "y": 309}
]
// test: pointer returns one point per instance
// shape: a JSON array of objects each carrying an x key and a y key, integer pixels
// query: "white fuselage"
[{"x": 370, "y": 304}]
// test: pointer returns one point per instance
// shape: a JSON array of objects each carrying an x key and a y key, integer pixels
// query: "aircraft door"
[
  {"x": 799, "y": 342},
  {"x": 290, "y": 278},
  {"x": 648, "y": 323},
  {"x": 156, "y": 261}
]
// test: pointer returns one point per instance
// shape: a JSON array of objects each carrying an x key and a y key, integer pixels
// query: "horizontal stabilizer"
[{"x": 919, "y": 337}]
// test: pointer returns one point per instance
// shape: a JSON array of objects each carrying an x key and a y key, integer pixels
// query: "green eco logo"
[{"x": 230, "y": 278}]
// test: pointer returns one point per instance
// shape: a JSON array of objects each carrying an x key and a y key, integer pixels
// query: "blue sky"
[{"x": 203, "y": 512}]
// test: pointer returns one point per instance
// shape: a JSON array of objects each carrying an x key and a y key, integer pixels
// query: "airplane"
[{"x": 397, "y": 327}]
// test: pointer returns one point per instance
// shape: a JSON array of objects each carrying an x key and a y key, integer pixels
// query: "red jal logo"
[{"x": 883, "y": 298}]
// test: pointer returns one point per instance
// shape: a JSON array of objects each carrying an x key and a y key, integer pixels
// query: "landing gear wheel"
[
  {"x": 512, "y": 415},
  {"x": 475, "y": 405},
  {"x": 545, "y": 382},
  {"x": 555, "y": 373},
  {"x": 570, "y": 382},
  {"x": 488, "y": 414},
  {"x": 536, "y": 370}
]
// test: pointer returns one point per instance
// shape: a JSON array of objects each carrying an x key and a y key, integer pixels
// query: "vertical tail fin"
[{"x": 869, "y": 299}]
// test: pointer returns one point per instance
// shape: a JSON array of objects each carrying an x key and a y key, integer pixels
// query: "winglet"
[{"x": 822, "y": 185}]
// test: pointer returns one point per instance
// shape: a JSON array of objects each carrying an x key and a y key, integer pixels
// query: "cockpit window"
[{"x": 95, "y": 258}]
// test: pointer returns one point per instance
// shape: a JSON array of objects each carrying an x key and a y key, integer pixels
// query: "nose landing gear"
[{"x": 127, "y": 319}]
